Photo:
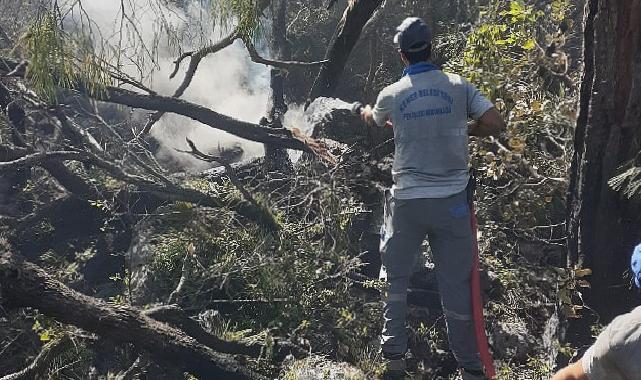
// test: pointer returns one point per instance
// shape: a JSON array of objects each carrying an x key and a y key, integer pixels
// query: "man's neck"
[
  {"x": 407, "y": 64},
  {"x": 419, "y": 67}
]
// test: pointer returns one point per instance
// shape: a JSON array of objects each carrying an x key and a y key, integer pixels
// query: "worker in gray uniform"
[
  {"x": 430, "y": 110},
  {"x": 616, "y": 354}
]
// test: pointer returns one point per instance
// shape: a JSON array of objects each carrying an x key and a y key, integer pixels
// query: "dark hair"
[{"x": 419, "y": 56}]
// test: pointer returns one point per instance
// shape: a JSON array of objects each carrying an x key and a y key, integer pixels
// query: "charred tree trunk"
[
  {"x": 602, "y": 225},
  {"x": 11, "y": 183},
  {"x": 276, "y": 158},
  {"x": 349, "y": 29}
]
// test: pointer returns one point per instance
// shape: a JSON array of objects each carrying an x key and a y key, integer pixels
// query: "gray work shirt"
[
  {"x": 616, "y": 354},
  {"x": 430, "y": 111}
]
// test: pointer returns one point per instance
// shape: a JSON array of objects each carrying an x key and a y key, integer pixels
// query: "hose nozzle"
[{"x": 357, "y": 107}]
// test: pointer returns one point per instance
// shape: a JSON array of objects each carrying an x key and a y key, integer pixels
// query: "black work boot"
[
  {"x": 395, "y": 367},
  {"x": 473, "y": 374}
]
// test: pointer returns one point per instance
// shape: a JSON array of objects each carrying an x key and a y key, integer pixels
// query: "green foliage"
[
  {"x": 535, "y": 369},
  {"x": 559, "y": 10},
  {"x": 46, "y": 329},
  {"x": 295, "y": 283},
  {"x": 244, "y": 13},
  {"x": 522, "y": 174},
  {"x": 503, "y": 59},
  {"x": 500, "y": 47},
  {"x": 57, "y": 60},
  {"x": 628, "y": 183},
  {"x": 49, "y": 55}
]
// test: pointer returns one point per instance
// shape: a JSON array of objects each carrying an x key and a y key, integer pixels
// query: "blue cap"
[
  {"x": 635, "y": 264},
  {"x": 412, "y": 35}
]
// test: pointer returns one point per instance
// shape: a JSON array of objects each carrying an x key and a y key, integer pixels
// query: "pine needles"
[
  {"x": 245, "y": 12},
  {"x": 56, "y": 60}
]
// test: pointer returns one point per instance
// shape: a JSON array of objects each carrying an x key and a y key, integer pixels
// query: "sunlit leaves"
[
  {"x": 569, "y": 295},
  {"x": 559, "y": 10},
  {"x": 628, "y": 182},
  {"x": 529, "y": 44},
  {"x": 582, "y": 272},
  {"x": 56, "y": 60},
  {"x": 50, "y": 63},
  {"x": 517, "y": 144},
  {"x": 243, "y": 13}
]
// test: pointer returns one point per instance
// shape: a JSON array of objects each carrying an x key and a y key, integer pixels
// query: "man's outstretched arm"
[
  {"x": 490, "y": 124},
  {"x": 572, "y": 372}
]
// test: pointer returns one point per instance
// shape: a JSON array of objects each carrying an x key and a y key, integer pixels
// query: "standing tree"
[
  {"x": 277, "y": 157},
  {"x": 604, "y": 225}
]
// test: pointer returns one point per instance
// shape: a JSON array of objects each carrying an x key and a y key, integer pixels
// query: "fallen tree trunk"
[
  {"x": 254, "y": 132},
  {"x": 23, "y": 284},
  {"x": 278, "y": 137},
  {"x": 335, "y": 120}
]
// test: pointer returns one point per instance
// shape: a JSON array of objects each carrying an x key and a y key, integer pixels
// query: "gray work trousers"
[{"x": 446, "y": 223}]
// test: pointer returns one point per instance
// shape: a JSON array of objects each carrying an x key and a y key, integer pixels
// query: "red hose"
[{"x": 477, "y": 306}]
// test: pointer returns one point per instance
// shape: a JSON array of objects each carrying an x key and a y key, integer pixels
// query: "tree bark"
[
  {"x": 249, "y": 131},
  {"x": 26, "y": 285},
  {"x": 276, "y": 158},
  {"x": 603, "y": 226},
  {"x": 356, "y": 15}
]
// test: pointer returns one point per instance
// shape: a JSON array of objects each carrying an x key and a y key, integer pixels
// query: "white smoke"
[{"x": 227, "y": 81}]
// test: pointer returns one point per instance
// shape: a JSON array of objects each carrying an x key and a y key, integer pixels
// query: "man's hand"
[{"x": 367, "y": 115}]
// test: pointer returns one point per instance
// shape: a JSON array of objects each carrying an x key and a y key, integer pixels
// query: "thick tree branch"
[
  {"x": 71, "y": 181},
  {"x": 10, "y": 153},
  {"x": 191, "y": 71},
  {"x": 285, "y": 65},
  {"x": 278, "y": 137},
  {"x": 249, "y": 131},
  {"x": 165, "y": 191},
  {"x": 37, "y": 158},
  {"x": 24, "y": 284}
]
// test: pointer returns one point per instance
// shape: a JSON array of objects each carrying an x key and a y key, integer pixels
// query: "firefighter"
[{"x": 429, "y": 110}]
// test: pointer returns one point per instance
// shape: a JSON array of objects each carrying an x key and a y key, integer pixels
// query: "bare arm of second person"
[{"x": 572, "y": 372}]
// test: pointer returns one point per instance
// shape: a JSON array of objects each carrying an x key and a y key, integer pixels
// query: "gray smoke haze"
[{"x": 227, "y": 81}]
